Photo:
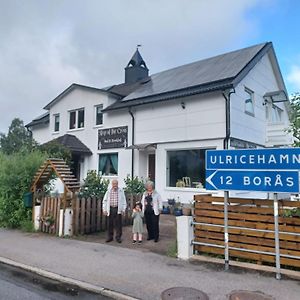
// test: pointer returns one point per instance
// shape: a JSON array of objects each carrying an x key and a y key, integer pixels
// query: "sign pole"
[
  {"x": 226, "y": 237},
  {"x": 277, "y": 241}
]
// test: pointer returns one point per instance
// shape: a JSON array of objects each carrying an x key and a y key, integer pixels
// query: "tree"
[
  {"x": 53, "y": 149},
  {"x": 295, "y": 118},
  {"x": 17, "y": 138}
]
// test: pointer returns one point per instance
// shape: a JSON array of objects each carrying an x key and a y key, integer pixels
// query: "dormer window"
[{"x": 76, "y": 119}]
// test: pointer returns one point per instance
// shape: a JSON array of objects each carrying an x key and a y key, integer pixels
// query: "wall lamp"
[{"x": 182, "y": 105}]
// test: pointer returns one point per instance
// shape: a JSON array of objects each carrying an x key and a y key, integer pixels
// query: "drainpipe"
[
  {"x": 132, "y": 141},
  {"x": 226, "y": 95}
]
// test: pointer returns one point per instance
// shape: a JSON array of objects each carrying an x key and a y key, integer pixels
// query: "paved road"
[
  {"x": 132, "y": 272},
  {"x": 17, "y": 284}
]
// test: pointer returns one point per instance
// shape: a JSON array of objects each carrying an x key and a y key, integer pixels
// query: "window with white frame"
[
  {"x": 56, "y": 122},
  {"x": 249, "y": 102},
  {"x": 76, "y": 118},
  {"x": 276, "y": 115},
  {"x": 99, "y": 114},
  {"x": 108, "y": 164},
  {"x": 186, "y": 168}
]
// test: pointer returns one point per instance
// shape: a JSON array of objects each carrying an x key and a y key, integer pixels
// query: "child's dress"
[{"x": 137, "y": 222}]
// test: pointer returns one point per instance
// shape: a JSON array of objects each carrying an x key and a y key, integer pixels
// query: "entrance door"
[{"x": 151, "y": 167}]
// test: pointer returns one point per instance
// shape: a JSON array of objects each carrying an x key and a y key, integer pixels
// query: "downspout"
[
  {"x": 226, "y": 95},
  {"x": 132, "y": 141}
]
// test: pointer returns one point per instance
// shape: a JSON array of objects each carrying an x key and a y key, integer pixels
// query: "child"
[{"x": 137, "y": 228}]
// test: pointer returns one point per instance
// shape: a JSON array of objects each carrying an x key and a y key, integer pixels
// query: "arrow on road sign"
[{"x": 265, "y": 181}]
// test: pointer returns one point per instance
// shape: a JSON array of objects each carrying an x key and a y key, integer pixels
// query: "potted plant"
[
  {"x": 166, "y": 210},
  {"x": 178, "y": 209},
  {"x": 187, "y": 209}
]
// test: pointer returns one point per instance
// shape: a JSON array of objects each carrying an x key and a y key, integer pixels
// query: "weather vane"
[{"x": 138, "y": 46}]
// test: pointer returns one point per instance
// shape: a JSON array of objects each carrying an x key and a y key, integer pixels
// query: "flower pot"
[
  {"x": 186, "y": 211},
  {"x": 178, "y": 212},
  {"x": 166, "y": 210}
]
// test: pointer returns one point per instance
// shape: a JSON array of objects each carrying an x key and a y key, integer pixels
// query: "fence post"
[
  {"x": 185, "y": 236},
  {"x": 277, "y": 241},
  {"x": 226, "y": 236}
]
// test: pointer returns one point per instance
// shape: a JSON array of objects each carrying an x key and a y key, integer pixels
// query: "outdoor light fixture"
[
  {"x": 183, "y": 105},
  {"x": 275, "y": 97}
]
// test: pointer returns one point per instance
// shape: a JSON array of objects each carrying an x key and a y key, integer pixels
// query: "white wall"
[
  {"x": 202, "y": 118},
  {"x": 261, "y": 79},
  {"x": 41, "y": 133},
  {"x": 88, "y": 99}
]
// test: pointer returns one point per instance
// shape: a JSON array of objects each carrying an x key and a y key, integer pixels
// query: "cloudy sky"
[{"x": 46, "y": 45}]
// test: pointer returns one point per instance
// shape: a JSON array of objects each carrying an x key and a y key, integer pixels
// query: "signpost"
[{"x": 275, "y": 170}]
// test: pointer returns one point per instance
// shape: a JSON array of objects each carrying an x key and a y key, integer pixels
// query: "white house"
[{"x": 159, "y": 126}]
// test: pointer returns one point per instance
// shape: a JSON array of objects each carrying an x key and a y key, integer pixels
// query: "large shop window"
[
  {"x": 108, "y": 164},
  {"x": 186, "y": 168}
]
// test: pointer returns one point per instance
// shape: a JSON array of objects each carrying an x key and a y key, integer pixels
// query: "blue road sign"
[
  {"x": 260, "y": 181},
  {"x": 254, "y": 159},
  {"x": 266, "y": 170}
]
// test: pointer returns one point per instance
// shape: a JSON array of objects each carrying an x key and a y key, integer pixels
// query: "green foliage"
[
  {"x": 27, "y": 225},
  {"x": 16, "y": 174},
  {"x": 295, "y": 118},
  {"x": 134, "y": 185},
  {"x": 53, "y": 149},
  {"x": 295, "y": 212},
  {"x": 94, "y": 185},
  {"x": 172, "y": 250},
  {"x": 17, "y": 139}
]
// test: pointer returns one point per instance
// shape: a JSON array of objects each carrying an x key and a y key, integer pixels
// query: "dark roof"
[
  {"x": 125, "y": 89},
  {"x": 42, "y": 119},
  {"x": 215, "y": 73},
  {"x": 73, "y": 144},
  {"x": 71, "y": 88}
]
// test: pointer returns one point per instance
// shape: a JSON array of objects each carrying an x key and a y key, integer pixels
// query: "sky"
[{"x": 46, "y": 45}]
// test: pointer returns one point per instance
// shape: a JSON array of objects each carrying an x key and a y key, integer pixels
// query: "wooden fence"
[
  {"x": 251, "y": 229},
  {"x": 49, "y": 215},
  {"x": 87, "y": 214}
]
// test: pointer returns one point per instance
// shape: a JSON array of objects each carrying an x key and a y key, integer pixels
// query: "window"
[
  {"x": 186, "y": 168},
  {"x": 249, "y": 102},
  {"x": 80, "y": 123},
  {"x": 76, "y": 118},
  {"x": 56, "y": 123},
  {"x": 99, "y": 115},
  {"x": 72, "y": 119},
  {"x": 108, "y": 164},
  {"x": 276, "y": 114}
]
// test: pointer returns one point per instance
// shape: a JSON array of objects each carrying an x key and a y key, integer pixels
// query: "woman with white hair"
[{"x": 152, "y": 206}]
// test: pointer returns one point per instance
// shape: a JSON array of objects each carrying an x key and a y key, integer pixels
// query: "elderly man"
[{"x": 114, "y": 206}]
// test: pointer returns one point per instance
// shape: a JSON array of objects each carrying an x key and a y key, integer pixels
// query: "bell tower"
[{"x": 136, "y": 69}]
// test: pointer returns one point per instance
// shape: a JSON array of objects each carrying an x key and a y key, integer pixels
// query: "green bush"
[
  {"x": 94, "y": 185},
  {"x": 16, "y": 174},
  {"x": 134, "y": 185}
]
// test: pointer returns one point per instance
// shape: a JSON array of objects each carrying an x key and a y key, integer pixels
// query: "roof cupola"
[{"x": 136, "y": 69}]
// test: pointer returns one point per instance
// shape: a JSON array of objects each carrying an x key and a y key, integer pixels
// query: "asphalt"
[
  {"x": 18, "y": 284},
  {"x": 142, "y": 275}
]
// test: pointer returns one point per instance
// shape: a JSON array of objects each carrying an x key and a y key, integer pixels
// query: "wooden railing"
[{"x": 251, "y": 229}]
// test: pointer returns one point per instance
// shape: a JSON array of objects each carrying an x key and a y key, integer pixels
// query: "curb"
[
  {"x": 83, "y": 285},
  {"x": 247, "y": 266}
]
